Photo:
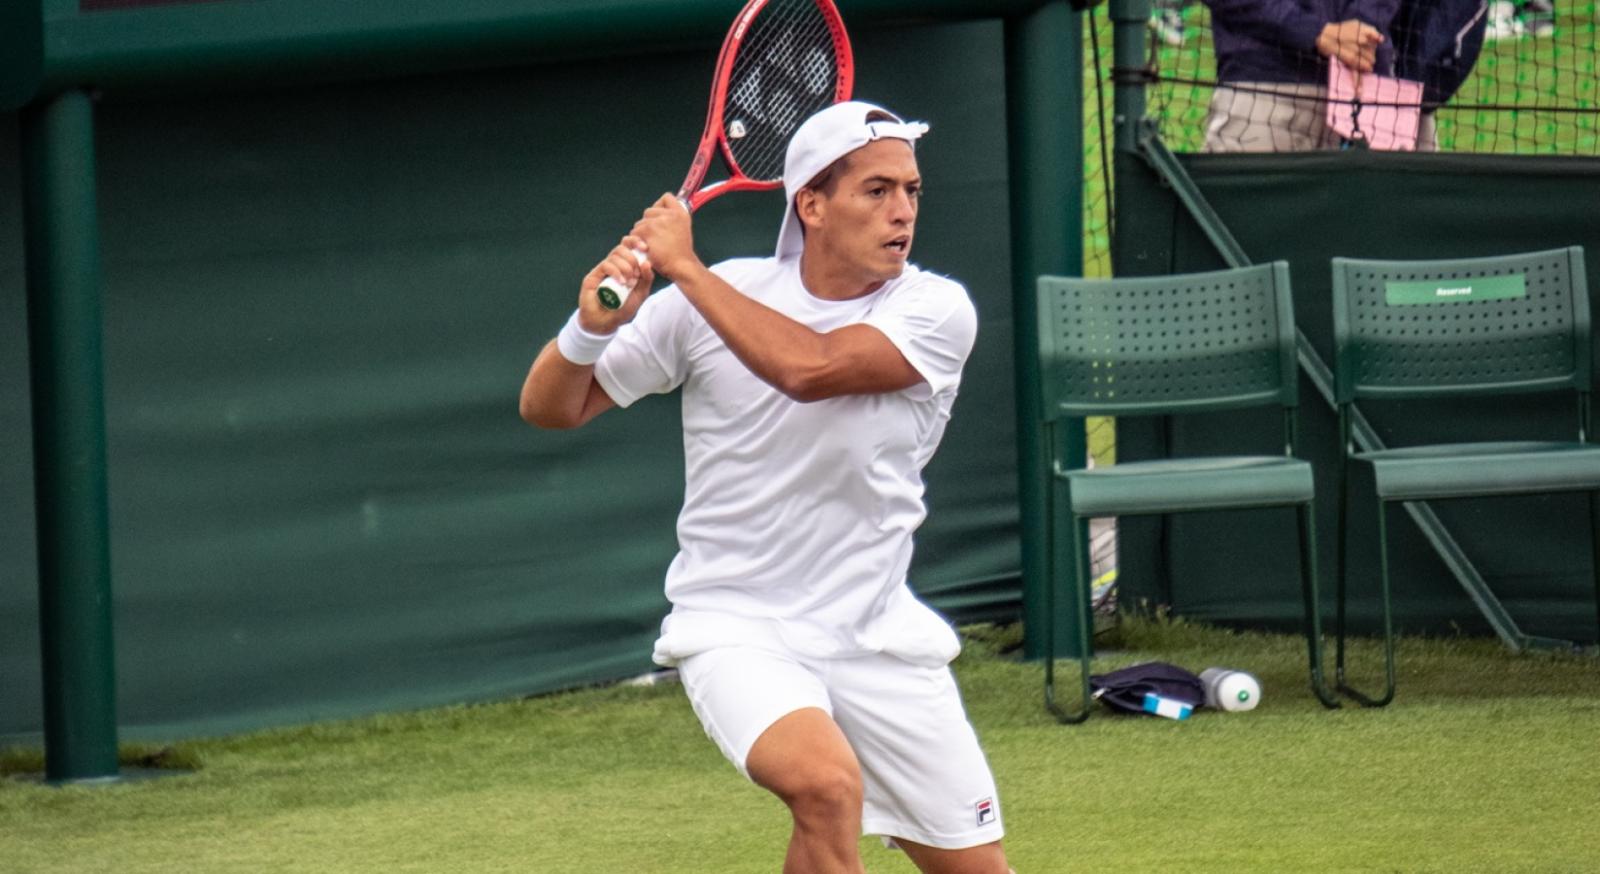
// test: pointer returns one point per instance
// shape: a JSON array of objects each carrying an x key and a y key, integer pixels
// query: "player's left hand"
[
  {"x": 626, "y": 269},
  {"x": 668, "y": 234}
]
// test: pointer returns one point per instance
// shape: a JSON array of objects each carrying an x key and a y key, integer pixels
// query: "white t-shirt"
[{"x": 797, "y": 518}]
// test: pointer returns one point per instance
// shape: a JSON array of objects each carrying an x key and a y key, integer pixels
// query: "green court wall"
[{"x": 320, "y": 303}]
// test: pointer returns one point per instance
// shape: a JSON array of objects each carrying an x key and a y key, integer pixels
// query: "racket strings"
[{"x": 786, "y": 69}]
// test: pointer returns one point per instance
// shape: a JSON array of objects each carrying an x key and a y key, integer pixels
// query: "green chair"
[
  {"x": 1164, "y": 346},
  {"x": 1450, "y": 329}
]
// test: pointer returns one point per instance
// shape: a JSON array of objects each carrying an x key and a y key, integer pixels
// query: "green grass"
[{"x": 1486, "y": 762}]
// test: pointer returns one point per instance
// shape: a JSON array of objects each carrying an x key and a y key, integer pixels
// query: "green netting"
[{"x": 1532, "y": 90}]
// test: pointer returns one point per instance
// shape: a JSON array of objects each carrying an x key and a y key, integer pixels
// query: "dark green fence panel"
[
  {"x": 320, "y": 305},
  {"x": 1307, "y": 208},
  {"x": 210, "y": 45}
]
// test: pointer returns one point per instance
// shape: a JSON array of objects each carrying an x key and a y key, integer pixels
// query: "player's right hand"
[{"x": 626, "y": 268}]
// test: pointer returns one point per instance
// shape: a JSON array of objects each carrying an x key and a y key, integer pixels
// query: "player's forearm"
[
  {"x": 557, "y": 392},
  {"x": 781, "y": 351}
]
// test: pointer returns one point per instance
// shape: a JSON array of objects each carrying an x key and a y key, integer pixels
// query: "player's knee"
[{"x": 825, "y": 792}]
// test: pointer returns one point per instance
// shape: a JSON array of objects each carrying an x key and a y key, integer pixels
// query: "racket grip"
[{"x": 612, "y": 293}]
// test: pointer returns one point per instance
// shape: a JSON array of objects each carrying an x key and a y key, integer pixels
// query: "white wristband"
[{"x": 580, "y": 346}]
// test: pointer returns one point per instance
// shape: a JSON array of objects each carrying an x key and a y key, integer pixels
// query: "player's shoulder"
[
  {"x": 928, "y": 281},
  {"x": 670, "y": 305},
  {"x": 735, "y": 270},
  {"x": 935, "y": 289},
  {"x": 666, "y": 309}
]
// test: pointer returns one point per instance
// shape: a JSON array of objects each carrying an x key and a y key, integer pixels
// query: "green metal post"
[
  {"x": 69, "y": 447},
  {"x": 1044, "y": 108},
  {"x": 1128, "y": 21}
]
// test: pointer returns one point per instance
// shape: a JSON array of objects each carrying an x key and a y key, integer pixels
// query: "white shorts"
[{"x": 924, "y": 775}]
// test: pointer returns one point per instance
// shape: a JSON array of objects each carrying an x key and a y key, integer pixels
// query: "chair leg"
[
  {"x": 1594, "y": 546},
  {"x": 1340, "y": 575},
  {"x": 1085, "y": 606},
  {"x": 1049, "y": 617},
  {"x": 1080, "y": 596},
  {"x": 1308, "y": 590},
  {"x": 1388, "y": 624}
]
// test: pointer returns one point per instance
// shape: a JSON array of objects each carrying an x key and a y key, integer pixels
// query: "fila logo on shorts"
[{"x": 985, "y": 809}]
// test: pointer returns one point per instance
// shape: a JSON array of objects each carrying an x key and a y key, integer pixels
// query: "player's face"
[{"x": 864, "y": 226}]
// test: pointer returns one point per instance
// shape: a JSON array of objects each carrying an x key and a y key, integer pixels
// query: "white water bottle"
[{"x": 1228, "y": 689}]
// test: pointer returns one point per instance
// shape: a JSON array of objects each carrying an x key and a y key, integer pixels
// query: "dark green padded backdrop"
[
  {"x": 1307, "y": 208},
  {"x": 320, "y": 305}
]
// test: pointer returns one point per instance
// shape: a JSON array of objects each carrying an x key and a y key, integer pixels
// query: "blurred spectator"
[
  {"x": 1437, "y": 43},
  {"x": 1166, "y": 20},
  {"x": 1513, "y": 20},
  {"x": 1272, "y": 68}
]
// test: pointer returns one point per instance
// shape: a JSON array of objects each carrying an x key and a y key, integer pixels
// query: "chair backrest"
[
  {"x": 1167, "y": 344},
  {"x": 1512, "y": 323}
]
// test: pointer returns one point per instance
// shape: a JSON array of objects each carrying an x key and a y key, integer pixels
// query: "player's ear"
[{"x": 808, "y": 206}]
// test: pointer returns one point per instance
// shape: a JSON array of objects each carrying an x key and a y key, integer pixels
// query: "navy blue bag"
[{"x": 1124, "y": 690}]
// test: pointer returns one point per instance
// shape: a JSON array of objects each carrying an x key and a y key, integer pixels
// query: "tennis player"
[{"x": 816, "y": 385}]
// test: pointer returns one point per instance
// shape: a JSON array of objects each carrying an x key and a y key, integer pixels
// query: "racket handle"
[{"x": 613, "y": 293}]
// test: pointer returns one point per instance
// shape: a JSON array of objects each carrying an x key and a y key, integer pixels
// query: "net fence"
[{"x": 1469, "y": 76}]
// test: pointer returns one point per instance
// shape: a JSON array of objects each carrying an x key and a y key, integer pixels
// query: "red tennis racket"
[{"x": 782, "y": 61}]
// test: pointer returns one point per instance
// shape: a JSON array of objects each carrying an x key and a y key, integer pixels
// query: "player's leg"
[
  {"x": 926, "y": 782},
  {"x": 770, "y": 716},
  {"x": 805, "y": 760}
]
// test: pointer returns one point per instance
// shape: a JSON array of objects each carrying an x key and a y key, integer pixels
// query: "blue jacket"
[
  {"x": 1437, "y": 42},
  {"x": 1276, "y": 40}
]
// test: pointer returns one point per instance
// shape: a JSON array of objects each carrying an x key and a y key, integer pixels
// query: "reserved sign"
[{"x": 1454, "y": 290}]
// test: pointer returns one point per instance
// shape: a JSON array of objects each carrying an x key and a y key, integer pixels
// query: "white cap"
[{"x": 824, "y": 138}]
